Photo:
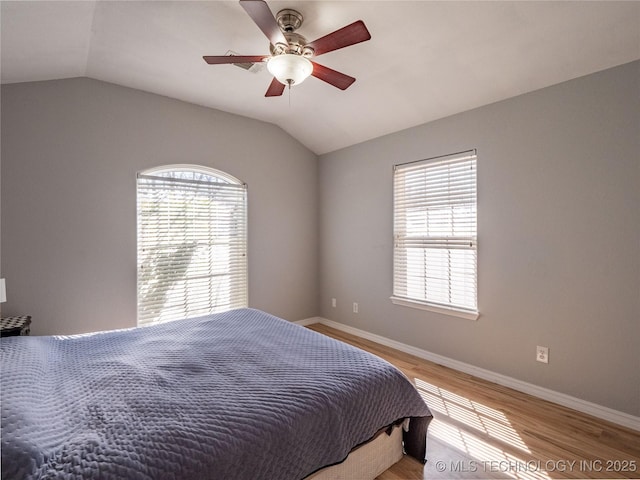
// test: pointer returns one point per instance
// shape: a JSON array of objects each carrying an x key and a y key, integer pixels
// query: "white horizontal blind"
[
  {"x": 435, "y": 232},
  {"x": 192, "y": 244}
]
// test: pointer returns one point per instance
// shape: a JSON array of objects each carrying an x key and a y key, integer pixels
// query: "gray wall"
[
  {"x": 70, "y": 153},
  {"x": 559, "y": 237}
]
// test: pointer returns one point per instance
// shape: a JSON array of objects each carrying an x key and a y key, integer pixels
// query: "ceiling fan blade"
[
  {"x": 222, "y": 59},
  {"x": 333, "y": 77},
  {"x": 261, "y": 14},
  {"x": 275, "y": 89},
  {"x": 350, "y": 35}
]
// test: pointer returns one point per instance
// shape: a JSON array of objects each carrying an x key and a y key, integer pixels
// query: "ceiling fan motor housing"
[
  {"x": 289, "y": 21},
  {"x": 297, "y": 45}
]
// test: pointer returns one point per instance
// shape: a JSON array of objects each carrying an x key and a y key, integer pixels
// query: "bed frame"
[{"x": 367, "y": 461}]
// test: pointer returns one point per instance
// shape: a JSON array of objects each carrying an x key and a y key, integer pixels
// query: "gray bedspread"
[{"x": 237, "y": 395}]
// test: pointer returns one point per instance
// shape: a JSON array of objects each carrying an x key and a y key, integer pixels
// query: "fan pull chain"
[{"x": 289, "y": 82}]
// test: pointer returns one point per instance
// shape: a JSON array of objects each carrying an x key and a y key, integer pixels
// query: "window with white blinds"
[
  {"x": 435, "y": 235},
  {"x": 192, "y": 243}
]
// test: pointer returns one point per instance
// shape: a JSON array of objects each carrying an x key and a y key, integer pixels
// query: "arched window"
[{"x": 192, "y": 243}]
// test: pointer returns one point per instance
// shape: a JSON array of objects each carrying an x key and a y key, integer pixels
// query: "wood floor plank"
[{"x": 484, "y": 430}]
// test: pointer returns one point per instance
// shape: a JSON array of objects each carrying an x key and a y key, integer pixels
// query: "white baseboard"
[
  {"x": 599, "y": 411},
  {"x": 310, "y": 321}
]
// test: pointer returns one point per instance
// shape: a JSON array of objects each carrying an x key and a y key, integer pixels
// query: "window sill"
[{"x": 405, "y": 302}]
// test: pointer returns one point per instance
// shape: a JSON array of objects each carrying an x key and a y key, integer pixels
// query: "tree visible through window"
[{"x": 192, "y": 243}]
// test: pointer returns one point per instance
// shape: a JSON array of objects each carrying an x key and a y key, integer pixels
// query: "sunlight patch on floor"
[
  {"x": 489, "y": 458},
  {"x": 480, "y": 417},
  {"x": 469, "y": 417}
]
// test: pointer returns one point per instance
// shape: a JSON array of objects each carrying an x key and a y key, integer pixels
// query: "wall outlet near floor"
[
  {"x": 542, "y": 354},
  {"x": 355, "y": 307},
  {"x": 334, "y": 302}
]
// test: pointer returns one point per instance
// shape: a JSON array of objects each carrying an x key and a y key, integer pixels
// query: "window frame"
[
  {"x": 236, "y": 257},
  {"x": 400, "y": 295}
]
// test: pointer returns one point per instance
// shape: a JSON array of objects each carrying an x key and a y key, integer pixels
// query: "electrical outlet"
[
  {"x": 355, "y": 307},
  {"x": 542, "y": 354},
  {"x": 334, "y": 302}
]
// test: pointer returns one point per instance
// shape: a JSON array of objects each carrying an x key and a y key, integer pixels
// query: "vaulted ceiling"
[{"x": 426, "y": 59}]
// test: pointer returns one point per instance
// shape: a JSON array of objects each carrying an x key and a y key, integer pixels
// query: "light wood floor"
[{"x": 483, "y": 430}]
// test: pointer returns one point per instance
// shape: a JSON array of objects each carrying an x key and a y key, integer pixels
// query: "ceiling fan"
[{"x": 289, "y": 61}]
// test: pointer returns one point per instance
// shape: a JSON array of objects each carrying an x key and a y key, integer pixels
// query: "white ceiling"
[{"x": 426, "y": 59}]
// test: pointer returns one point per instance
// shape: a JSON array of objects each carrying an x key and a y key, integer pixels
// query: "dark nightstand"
[{"x": 13, "y": 326}]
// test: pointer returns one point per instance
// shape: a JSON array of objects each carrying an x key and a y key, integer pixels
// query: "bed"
[{"x": 236, "y": 395}]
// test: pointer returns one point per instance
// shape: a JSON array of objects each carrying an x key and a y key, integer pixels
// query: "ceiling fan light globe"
[{"x": 290, "y": 69}]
